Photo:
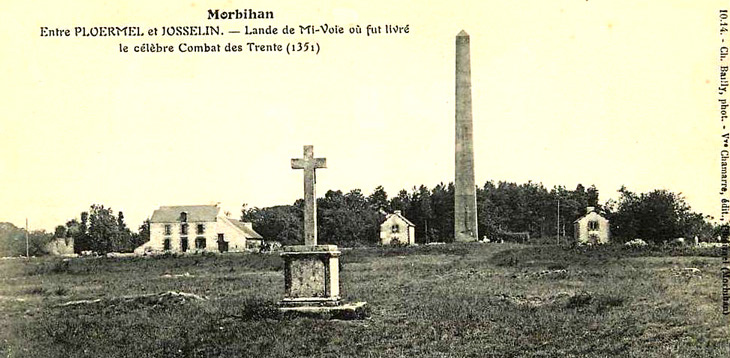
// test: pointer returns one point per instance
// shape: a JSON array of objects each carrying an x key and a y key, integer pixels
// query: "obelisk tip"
[{"x": 462, "y": 34}]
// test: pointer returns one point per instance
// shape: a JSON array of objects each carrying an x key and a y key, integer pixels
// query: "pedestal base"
[
  {"x": 312, "y": 284},
  {"x": 311, "y": 275},
  {"x": 310, "y": 302},
  {"x": 345, "y": 311}
]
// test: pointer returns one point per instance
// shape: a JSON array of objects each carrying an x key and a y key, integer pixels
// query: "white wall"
[
  {"x": 235, "y": 238},
  {"x": 405, "y": 234},
  {"x": 583, "y": 234}
]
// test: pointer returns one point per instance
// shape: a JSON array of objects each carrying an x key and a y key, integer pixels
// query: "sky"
[{"x": 608, "y": 93}]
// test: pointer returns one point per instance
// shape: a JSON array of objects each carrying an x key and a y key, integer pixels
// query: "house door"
[
  {"x": 184, "y": 244},
  {"x": 222, "y": 244},
  {"x": 593, "y": 239}
]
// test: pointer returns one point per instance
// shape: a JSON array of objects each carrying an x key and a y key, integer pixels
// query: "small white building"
[
  {"x": 591, "y": 228},
  {"x": 397, "y": 230},
  {"x": 197, "y": 228}
]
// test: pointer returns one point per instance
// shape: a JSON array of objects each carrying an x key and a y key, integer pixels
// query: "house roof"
[
  {"x": 589, "y": 213},
  {"x": 399, "y": 215},
  {"x": 246, "y": 229},
  {"x": 196, "y": 213}
]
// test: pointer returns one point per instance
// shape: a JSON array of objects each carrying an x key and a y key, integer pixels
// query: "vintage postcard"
[{"x": 364, "y": 179}]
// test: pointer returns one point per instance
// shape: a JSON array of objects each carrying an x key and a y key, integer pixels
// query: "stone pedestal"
[
  {"x": 311, "y": 271},
  {"x": 311, "y": 275}
]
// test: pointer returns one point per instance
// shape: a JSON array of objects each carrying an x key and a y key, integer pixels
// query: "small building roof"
[
  {"x": 590, "y": 210},
  {"x": 196, "y": 213},
  {"x": 248, "y": 230},
  {"x": 398, "y": 214}
]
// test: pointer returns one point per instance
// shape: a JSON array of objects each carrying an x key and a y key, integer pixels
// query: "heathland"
[{"x": 454, "y": 300}]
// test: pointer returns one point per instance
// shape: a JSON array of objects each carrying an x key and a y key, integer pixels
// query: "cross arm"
[
  {"x": 298, "y": 163},
  {"x": 320, "y": 162}
]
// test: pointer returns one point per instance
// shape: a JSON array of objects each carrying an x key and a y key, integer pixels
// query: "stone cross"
[{"x": 309, "y": 163}]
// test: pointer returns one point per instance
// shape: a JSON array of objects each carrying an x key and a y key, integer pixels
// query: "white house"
[
  {"x": 197, "y": 228},
  {"x": 591, "y": 228},
  {"x": 396, "y": 229}
]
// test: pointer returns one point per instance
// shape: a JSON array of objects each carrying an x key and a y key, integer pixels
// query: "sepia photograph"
[{"x": 364, "y": 179}]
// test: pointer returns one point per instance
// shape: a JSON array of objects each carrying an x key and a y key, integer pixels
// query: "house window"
[
  {"x": 168, "y": 229},
  {"x": 183, "y": 244},
  {"x": 166, "y": 244},
  {"x": 184, "y": 229},
  {"x": 395, "y": 229},
  {"x": 200, "y": 243},
  {"x": 183, "y": 217},
  {"x": 200, "y": 229},
  {"x": 593, "y": 225}
]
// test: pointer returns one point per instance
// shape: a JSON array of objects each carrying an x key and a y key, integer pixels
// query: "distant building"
[
  {"x": 60, "y": 246},
  {"x": 397, "y": 230},
  {"x": 197, "y": 228},
  {"x": 591, "y": 228}
]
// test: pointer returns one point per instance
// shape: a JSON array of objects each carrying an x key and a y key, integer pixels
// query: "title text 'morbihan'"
[{"x": 239, "y": 14}]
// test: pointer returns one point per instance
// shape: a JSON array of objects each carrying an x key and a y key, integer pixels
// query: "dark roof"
[
  {"x": 196, "y": 213},
  {"x": 247, "y": 230}
]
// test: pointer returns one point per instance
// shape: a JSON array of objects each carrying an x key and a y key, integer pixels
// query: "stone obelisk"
[{"x": 465, "y": 198}]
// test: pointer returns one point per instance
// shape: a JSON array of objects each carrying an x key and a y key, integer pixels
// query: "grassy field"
[{"x": 460, "y": 300}]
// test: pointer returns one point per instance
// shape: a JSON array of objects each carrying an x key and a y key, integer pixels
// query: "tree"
[
  {"x": 656, "y": 216},
  {"x": 12, "y": 241},
  {"x": 60, "y": 231},
  {"x": 121, "y": 225},
  {"x": 143, "y": 234},
  {"x": 37, "y": 242},
  {"x": 424, "y": 209},
  {"x": 126, "y": 241},
  {"x": 247, "y": 215},
  {"x": 101, "y": 231},
  {"x": 442, "y": 202},
  {"x": 78, "y": 231},
  {"x": 401, "y": 202},
  {"x": 283, "y": 223},
  {"x": 592, "y": 197},
  {"x": 378, "y": 200},
  {"x": 104, "y": 235},
  {"x": 347, "y": 219}
]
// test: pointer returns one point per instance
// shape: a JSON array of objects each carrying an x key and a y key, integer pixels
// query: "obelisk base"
[{"x": 464, "y": 237}]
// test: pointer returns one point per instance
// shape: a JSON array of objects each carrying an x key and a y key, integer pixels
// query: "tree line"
[
  {"x": 13, "y": 241},
  {"x": 100, "y": 230},
  {"x": 97, "y": 230},
  {"x": 505, "y": 211}
]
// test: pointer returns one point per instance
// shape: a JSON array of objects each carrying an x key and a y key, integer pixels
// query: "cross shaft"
[{"x": 310, "y": 164}]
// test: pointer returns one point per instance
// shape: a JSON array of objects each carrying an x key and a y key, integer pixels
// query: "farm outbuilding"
[
  {"x": 397, "y": 230},
  {"x": 591, "y": 228}
]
